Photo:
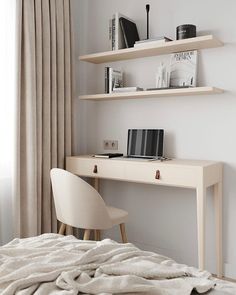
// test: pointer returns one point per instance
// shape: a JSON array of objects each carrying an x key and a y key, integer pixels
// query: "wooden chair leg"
[
  {"x": 87, "y": 234},
  {"x": 97, "y": 235},
  {"x": 123, "y": 233},
  {"x": 69, "y": 230},
  {"x": 62, "y": 229}
]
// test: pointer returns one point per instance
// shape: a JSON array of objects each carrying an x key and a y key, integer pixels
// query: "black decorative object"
[
  {"x": 147, "y": 10},
  {"x": 185, "y": 31},
  {"x": 130, "y": 32}
]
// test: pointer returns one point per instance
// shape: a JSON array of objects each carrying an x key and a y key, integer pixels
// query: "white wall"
[
  {"x": 6, "y": 218},
  {"x": 7, "y": 116},
  {"x": 196, "y": 127}
]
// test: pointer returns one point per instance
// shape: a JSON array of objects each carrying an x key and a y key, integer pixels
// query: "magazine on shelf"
[
  {"x": 115, "y": 79},
  {"x": 183, "y": 69}
]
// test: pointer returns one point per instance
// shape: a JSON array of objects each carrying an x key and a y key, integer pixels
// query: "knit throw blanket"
[{"x": 64, "y": 265}]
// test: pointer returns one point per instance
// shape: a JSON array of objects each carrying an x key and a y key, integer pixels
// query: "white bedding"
[{"x": 55, "y": 264}]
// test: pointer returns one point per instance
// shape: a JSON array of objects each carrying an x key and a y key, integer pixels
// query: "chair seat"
[
  {"x": 117, "y": 216},
  {"x": 79, "y": 205}
]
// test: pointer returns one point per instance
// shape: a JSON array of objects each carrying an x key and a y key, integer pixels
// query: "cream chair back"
[{"x": 77, "y": 203}]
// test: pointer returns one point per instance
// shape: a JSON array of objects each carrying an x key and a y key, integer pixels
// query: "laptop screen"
[{"x": 145, "y": 143}]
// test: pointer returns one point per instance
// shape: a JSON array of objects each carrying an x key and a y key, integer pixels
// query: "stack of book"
[
  {"x": 108, "y": 155},
  {"x": 113, "y": 79},
  {"x": 122, "y": 32},
  {"x": 151, "y": 42},
  {"x": 127, "y": 89}
]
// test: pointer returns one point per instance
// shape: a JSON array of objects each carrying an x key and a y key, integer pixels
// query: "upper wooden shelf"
[
  {"x": 153, "y": 93},
  {"x": 208, "y": 41}
]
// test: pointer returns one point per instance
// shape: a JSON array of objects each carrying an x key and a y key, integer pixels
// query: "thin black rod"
[{"x": 147, "y": 10}]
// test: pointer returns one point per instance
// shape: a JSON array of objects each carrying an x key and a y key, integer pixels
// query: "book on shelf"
[
  {"x": 108, "y": 155},
  {"x": 127, "y": 89},
  {"x": 151, "y": 42},
  {"x": 129, "y": 30},
  {"x": 116, "y": 36},
  {"x": 110, "y": 34},
  {"x": 115, "y": 79},
  {"x": 160, "y": 38},
  {"x": 107, "y": 79},
  {"x": 183, "y": 69}
]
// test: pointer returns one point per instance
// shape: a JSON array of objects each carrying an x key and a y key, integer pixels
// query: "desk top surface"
[{"x": 172, "y": 162}]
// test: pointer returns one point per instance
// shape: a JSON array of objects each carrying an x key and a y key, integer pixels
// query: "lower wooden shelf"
[{"x": 153, "y": 93}]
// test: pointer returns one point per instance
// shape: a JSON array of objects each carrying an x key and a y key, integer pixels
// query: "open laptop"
[{"x": 145, "y": 143}]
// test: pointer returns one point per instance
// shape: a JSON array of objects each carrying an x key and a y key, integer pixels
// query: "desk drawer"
[
  {"x": 163, "y": 175},
  {"x": 104, "y": 168}
]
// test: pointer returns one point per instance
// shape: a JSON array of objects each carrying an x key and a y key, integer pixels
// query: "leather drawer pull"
[
  {"x": 95, "y": 169},
  {"x": 158, "y": 174}
]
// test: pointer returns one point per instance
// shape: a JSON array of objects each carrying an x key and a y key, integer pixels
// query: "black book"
[{"x": 130, "y": 31}]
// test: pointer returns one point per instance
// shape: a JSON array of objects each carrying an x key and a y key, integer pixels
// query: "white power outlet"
[
  {"x": 114, "y": 144},
  {"x": 110, "y": 144}
]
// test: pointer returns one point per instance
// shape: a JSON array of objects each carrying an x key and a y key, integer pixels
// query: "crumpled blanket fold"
[{"x": 56, "y": 264}]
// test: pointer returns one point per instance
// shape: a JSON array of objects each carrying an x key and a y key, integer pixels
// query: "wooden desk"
[{"x": 179, "y": 173}]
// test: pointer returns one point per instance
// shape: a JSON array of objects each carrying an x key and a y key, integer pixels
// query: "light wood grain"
[
  {"x": 123, "y": 233},
  {"x": 218, "y": 221},
  {"x": 175, "y": 172},
  {"x": 97, "y": 235},
  {"x": 202, "y": 42},
  {"x": 87, "y": 234},
  {"x": 201, "y": 225},
  {"x": 96, "y": 184},
  {"x": 62, "y": 229},
  {"x": 153, "y": 93},
  {"x": 69, "y": 230}
]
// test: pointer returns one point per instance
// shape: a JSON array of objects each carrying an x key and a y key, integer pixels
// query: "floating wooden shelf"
[
  {"x": 153, "y": 93},
  {"x": 201, "y": 42}
]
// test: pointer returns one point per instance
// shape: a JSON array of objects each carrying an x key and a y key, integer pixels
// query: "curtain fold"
[{"x": 44, "y": 109}]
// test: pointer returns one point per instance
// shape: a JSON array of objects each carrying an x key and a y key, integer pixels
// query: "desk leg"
[
  {"x": 96, "y": 184},
  {"x": 218, "y": 225},
  {"x": 98, "y": 232},
  {"x": 201, "y": 216}
]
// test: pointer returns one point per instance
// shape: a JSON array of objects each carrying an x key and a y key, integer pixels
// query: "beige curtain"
[{"x": 43, "y": 111}]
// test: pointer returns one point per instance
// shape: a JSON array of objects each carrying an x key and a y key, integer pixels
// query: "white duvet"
[{"x": 55, "y": 264}]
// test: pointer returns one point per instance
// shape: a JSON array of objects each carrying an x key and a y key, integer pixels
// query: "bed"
[{"x": 56, "y": 264}]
